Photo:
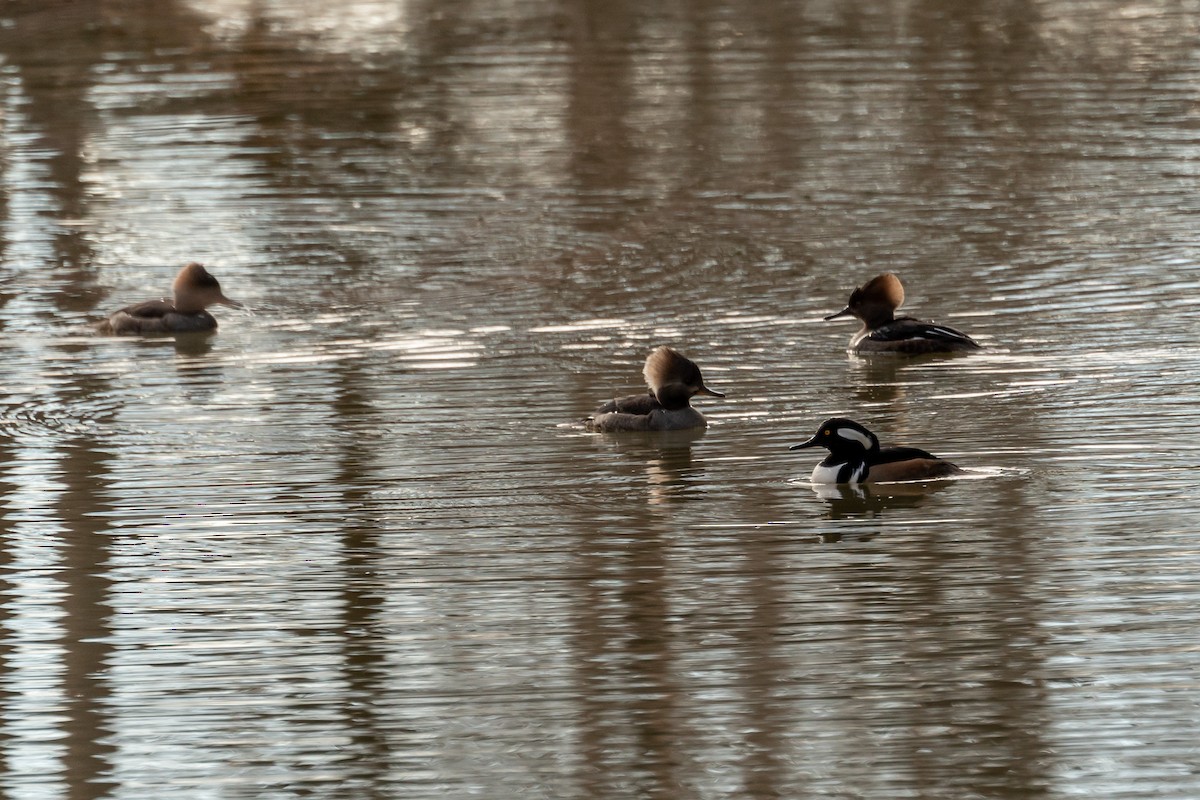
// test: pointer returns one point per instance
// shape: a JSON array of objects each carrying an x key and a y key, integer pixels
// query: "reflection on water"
[
  {"x": 356, "y": 544},
  {"x": 873, "y": 500}
]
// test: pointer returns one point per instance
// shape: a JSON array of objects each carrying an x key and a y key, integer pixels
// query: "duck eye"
[{"x": 827, "y": 431}]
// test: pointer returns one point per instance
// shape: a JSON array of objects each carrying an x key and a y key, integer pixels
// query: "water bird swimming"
[
  {"x": 674, "y": 380},
  {"x": 875, "y": 303},
  {"x": 856, "y": 457},
  {"x": 193, "y": 291}
]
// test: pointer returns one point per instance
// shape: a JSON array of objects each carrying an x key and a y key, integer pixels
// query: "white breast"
[
  {"x": 829, "y": 474},
  {"x": 824, "y": 474}
]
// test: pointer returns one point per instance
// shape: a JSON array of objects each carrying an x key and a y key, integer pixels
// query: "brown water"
[{"x": 354, "y": 545}]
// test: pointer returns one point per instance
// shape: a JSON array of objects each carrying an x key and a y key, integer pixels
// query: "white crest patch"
[{"x": 855, "y": 436}]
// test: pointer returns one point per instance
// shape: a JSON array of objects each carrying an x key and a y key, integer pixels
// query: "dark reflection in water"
[
  {"x": 353, "y": 545},
  {"x": 873, "y": 500},
  {"x": 86, "y": 634}
]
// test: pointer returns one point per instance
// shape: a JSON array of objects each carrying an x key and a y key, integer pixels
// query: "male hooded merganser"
[
  {"x": 875, "y": 303},
  {"x": 856, "y": 457},
  {"x": 673, "y": 380},
  {"x": 194, "y": 290}
]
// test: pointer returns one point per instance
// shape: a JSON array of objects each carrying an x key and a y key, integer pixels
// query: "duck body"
[
  {"x": 911, "y": 336},
  {"x": 643, "y": 412},
  {"x": 193, "y": 291},
  {"x": 875, "y": 304},
  {"x": 673, "y": 380},
  {"x": 157, "y": 316},
  {"x": 855, "y": 456}
]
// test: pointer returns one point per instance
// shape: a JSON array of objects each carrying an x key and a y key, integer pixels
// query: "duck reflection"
[
  {"x": 193, "y": 344},
  {"x": 201, "y": 377},
  {"x": 671, "y": 471},
  {"x": 666, "y": 457},
  {"x": 186, "y": 346},
  {"x": 858, "y": 500},
  {"x": 877, "y": 380},
  {"x": 886, "y": 378}
]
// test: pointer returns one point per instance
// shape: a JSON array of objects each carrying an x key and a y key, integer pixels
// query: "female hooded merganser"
[
  {"x": 673, "y": 380},
  {"x": 856, "y": 457},
  {"x": 875, "y": 303},
  {"x": 194, "y": 290}
]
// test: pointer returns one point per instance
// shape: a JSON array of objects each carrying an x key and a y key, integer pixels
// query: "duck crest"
[
  {"x": 672, "y": 377},
  {"x": 666, "y": 365},
  {"x": 847, "y": 430},
  {"x": 876, "y": 301},
  {"x": 885, "y": 289},
  {"x": 195, "y": 288}
]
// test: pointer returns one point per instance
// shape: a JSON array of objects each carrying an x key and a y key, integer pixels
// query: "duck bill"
[
  {"x": 805, "y": 445},
  {"x": 707, "y": 391},
  {"x": 225, "y": 301},
  {"x": 845, "y": 312}
]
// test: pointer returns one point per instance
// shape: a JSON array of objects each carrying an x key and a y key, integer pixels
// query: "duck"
[
  {"x": 193, "y": 291},
  {"x": 673, "y": 379},
  {"x": 875, "y": 303},
  {"x": 856, "y": 457}
]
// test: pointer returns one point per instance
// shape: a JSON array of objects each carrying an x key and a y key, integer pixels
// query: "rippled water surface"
[{"x": 356, "y": 545}]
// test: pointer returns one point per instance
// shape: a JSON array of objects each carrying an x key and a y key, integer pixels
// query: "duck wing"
[
  {"x": 631, "y": 404},
  {"x": 889, "y": 454},
  {"x": 150, "y": 309},
  {"x": 922, "y": 335},
  {"x": 909, "y": 464}
]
